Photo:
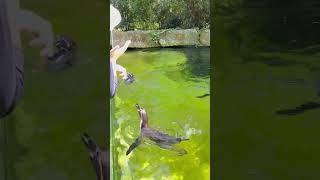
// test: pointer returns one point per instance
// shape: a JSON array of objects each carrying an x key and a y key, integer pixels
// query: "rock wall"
[{"x": 162, "y": 38}]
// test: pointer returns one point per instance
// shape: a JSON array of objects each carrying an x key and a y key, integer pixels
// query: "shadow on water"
[{"x": 198, "y": 62}]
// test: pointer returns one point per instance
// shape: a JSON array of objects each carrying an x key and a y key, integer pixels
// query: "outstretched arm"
[{"x": 116, "y": 52}]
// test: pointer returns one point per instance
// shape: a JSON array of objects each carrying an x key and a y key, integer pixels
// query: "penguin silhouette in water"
[
  {"x": 65, "y": 53},
  {"x": 299, "y": 109},
  {"x": 163, "y": 140},
  {"x": 99, "y": 157},
  {"x": 205, "y": 95},
  {"x": 307, "y": 106}
]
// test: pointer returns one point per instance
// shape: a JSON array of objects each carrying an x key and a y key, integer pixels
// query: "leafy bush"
[{"x": 163, "y": 14}]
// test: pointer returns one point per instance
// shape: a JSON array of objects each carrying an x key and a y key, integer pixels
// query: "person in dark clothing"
[{"x": 12, "y": 21}]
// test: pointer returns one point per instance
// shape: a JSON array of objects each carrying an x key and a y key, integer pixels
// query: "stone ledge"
[{"x": 163, "y": 38}]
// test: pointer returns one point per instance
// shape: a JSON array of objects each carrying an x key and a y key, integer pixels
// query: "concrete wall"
[{"x": 163, "y": 38}]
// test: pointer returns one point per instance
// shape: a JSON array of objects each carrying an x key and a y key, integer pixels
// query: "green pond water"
[
  {"x": 41, "y": 139},
  {"x": 167, "y": 84},
  {"x": 266, "y": 59}
]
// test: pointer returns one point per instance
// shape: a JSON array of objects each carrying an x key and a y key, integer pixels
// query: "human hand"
[
  {"x": 42, "y": 40},
  {"x": 122, "y": 70},
  {"x": 116, "y": 52},
  {"x": 41, "y": 30}
]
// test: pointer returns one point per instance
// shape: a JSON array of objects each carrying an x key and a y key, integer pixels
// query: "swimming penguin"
[
  {"x": 64, "y": 55},
  {"x": 163, "y": 140},
  {"x": 205, "y": 95},
  {"x": 99, "y": 157},
  {"x": 299, "y": 109}
]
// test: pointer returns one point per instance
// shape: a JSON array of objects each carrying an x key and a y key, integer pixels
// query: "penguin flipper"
[
  {"x": 134, "y": 145},
  {"x": 94, "y": 153}
]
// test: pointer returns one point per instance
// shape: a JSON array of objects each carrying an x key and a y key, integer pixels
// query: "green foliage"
[
  {"x": 163, "y": 14},
  {"x": 225, "y": 6},
  {"x": 156, "y": 36},
  {"x": 200, "y": 12}
]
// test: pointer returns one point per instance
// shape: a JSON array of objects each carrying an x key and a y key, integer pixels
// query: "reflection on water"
[
  {"x": 167, "y": 84},
  {"x": 266, "y": 91}
]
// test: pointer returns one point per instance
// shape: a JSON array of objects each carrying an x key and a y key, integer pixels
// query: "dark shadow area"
[{"x": 198, "y": 61}]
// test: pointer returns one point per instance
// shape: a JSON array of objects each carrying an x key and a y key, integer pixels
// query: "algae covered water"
[{"x": 167, "y": 84}]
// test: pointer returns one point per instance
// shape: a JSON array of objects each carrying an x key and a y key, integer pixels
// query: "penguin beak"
[{"x": 138, "y": 107}]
